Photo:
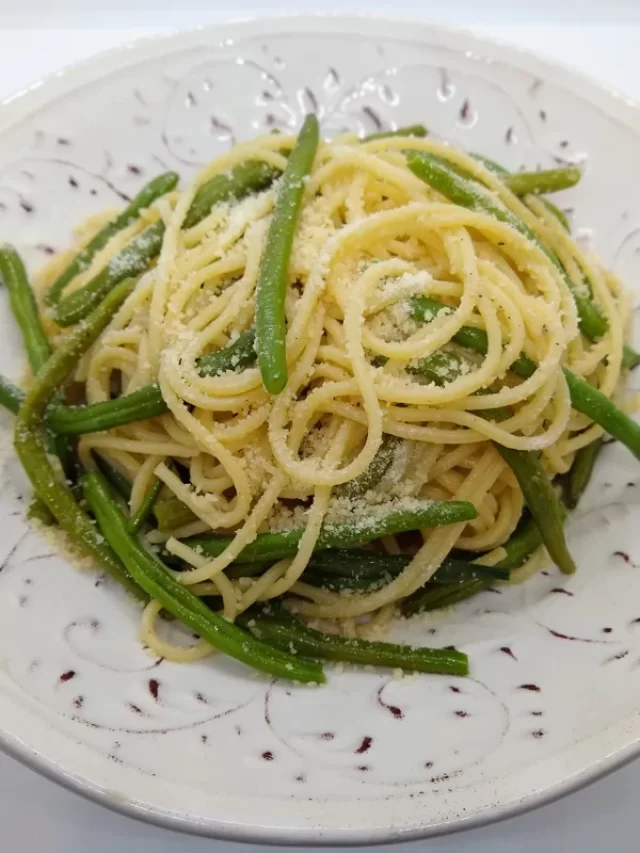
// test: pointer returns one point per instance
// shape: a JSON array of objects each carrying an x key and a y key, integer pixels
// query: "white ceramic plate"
[{"x": 555, "y": 689}]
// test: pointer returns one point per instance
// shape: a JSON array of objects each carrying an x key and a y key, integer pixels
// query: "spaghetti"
[{"x": 385, "y": 405}]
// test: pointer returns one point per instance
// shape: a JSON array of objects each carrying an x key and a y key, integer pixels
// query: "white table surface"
[{"x": 600, "y": 37}]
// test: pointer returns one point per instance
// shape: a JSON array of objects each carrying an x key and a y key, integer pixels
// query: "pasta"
[{"x": 426, "y": 340}]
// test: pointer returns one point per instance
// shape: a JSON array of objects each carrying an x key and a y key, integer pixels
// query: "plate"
[{"x": 553, "y": 699}]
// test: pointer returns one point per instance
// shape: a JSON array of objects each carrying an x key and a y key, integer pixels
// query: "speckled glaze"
[{"x": 555, "y": 689}]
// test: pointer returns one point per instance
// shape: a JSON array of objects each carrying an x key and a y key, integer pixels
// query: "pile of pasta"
[{"x": 372, "y": 240}]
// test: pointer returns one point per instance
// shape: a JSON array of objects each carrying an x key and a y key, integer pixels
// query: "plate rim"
[{"x": 71, "y": 77}]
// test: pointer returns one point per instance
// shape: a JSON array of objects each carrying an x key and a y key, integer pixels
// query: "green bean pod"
[
  {"x": 543, "y": 502},
  {"x": 24, "y": 307},
  {"x": 271, "y": 333},
  {"x": 132, "y": 261},
  {"x": 630, "y": 358},
  {"x": 466, "y": 193},
  {"x": 157, "y": 581},
  {"x": 434, "y": 596},
  {"x": 11, "y": 396},
  {"x": 140, "y": 516},
  {"x": 379, "y": 466},
  {"x": 584, "y": 397},
  {"x": 580, "y": 473},
  {"x": 386, "y": 521},
  {"x": 545, "y": 181},
  {"x": 240, "y": 181},
  {"x": 276, "y": 626},
  {"x": 138, "y": 255},
  {"x": 522, "y": 183},
  {"x": 415, "y": 130},
  {"x": 140, "y": 405},
  {"x": 431, "y": 597},
  {"x": 489, "y": 164},
  {"x": 36, "y": 342},
  {"x": 144, "y": 403},
  {"x": 39, "y": 511},
  {"x": 424, "y": 309},
  {"x": 171, "y": 513},
  {"x": 559, "y": 214},
  {"x": 530, "y": 182},
  {"x": 359, "y": 570},
  {"x": 521, "y": 544},
  {"x": 439, "y": 367},
  {"x": 148, "y": 194},
  {"x": 113, "y": 475},
  {"x": 357, "y": 563},
  {"x": 30, "y": 440},
  {"x": 603, "y": 411},
  {"x": 239, "y": 354}
]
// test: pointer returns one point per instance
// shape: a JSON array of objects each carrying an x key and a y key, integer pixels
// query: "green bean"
[
  {"x": 136, "y": 257},
  {"x": 548, "y": 181},
  {"x": 380, "y": 521},
  {"x": 525, "y": 182},
  {"x": 360, "y": 570},
  {"x": 521, "y": 183},
  {"x": 444, "y": 367},
  {"x": 172, "y": 513},
  {"x": 279, "y": 628},
  {"x": 247, "y": 570},
  {"x": 580, "y": 474},
  {"x": 356, "y": 563},
  {"x": 379, "y": 466},
  {"x": 271, "y": 333},
  {"x": 239, "y": 354},
  {"x": 39, "y": 511},
  {"x": 584, "y": 397},
  {"x": 371, "y": 564},
  {"x": 338, "y": 583},
  {"x": 489, "y": 164},
  {"x": 559, "y": 214},
  {"x": 30, "y": 439},
  {"x": 144, "y": 403},
  {"x": 131, "y": 261},
  {"x": 439, "y": 367},
  {"x": 521, "y": 544},
  {"x": 630, "y": 358},
  {"x": 11, "y": 396},
  {"x": 144, "y": 199},
  {"x": 147, "y": 401},
  {"x": 519, "y": 547},
  {"x": 437, "y": 597},
  {"x": 604, "y": 412},
  {"x": 469, "y": 194},
  {"x": 540, "y": 495},
  {"x": 543, "y": 502},
  {"x": 460, "y": 188},
  {"x": 499, "y": 170},
  {"x": 239, "y": 182},
  {"x": 450, "y": 572},
  {"x": 24, "y": 307},
  {"x": 113, "y": 475},
  {"x": 418, "y": 130},
  {"x": 36, "y": 342},
  {"x": 140, "y": 405},
  {"x": 537, "y": 489},
  {"x": 425, "y": 309},
  {"x": 137, "y": 520},
  {"x": 157, "y": 581}
]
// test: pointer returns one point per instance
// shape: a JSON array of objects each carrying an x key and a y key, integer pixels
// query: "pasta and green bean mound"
[{"x": 322, "y": 385}]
